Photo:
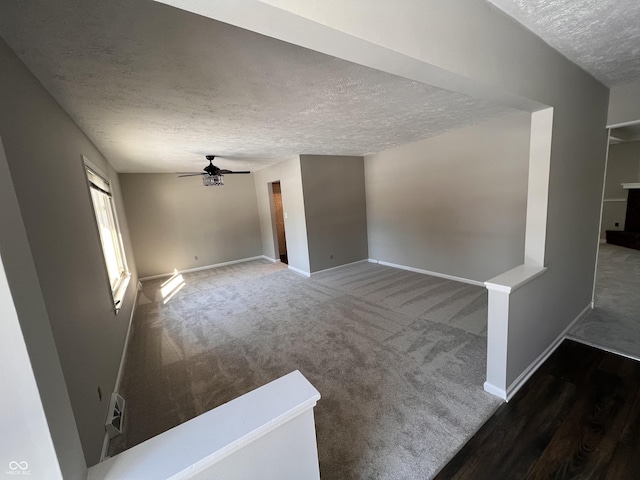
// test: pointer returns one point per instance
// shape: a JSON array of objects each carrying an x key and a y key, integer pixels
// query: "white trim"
[
  {"x": 104, "y": 454},
  {"x": 272, "y": 260},
  {"x": 206, "y": 267},
  {"x": 301, "y": 272},
  {"x": 427, "y": 272},
  {"x": 606, "y": 200},
  {"x": 510, "y": 281},
  {"x": 116, "y": 388},
  {"x": 623, "y": 124},
  {"x": 629, "y": 186},
  {"x": 191, "y": 447},
  {"x": 603, "y": 240},
  {"x": 340, "y": 266},
  {"x": 533, "y": 367},
  {"x": 493, "y": 390},
  {"x": 372, "y": 260}
]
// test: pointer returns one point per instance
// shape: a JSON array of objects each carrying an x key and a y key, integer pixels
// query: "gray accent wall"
[
  {"x": 454, "y": 204},
  {"x": 174, "y": 220},
  {"x": 623, "y": 166},
  {"x": 43, "y": 146},
  {"x": 288, "y": 173},
  {"x": 335, "y": 210}
]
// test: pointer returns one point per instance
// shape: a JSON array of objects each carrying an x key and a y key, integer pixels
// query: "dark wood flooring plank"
[
  {"x": 577, "y": 417},
  {"x": 491, "y": 449}
]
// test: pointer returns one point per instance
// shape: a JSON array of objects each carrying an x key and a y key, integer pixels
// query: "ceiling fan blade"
[
  {"x": 191, "y": 175},
  {"x": 229, "y": 172}
]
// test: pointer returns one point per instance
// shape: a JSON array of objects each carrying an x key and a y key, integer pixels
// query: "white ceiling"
[
  {"x": 601, "y": 36},
  {"x": 157, "y": 88}
]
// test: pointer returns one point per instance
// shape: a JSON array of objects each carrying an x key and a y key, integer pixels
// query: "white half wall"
[{"x": 453, "y": 204}]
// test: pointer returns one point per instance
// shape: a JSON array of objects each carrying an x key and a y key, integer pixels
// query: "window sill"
[{"x": 119, "y": 291}]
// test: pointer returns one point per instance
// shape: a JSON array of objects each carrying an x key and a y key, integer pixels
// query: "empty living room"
[{"x": 290, "y": 240}]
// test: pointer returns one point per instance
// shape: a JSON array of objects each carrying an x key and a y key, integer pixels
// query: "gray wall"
[
  {"x": 335, "y": 210},
  {"x": 51, "y": 445},
  {"x": 43, "y": 147},
  {"x": 623, "y": 166},
  {"x": 624, "y": 104},
  {"x": 173, "y": 220},
  {"x": 288, "y": 172},
  {"x": 452, "y": 204}
]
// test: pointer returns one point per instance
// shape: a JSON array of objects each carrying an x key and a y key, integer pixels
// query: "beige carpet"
[{"x": 398, "y": 357}]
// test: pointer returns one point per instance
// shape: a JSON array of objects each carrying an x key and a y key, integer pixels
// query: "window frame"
[{"x": 99, "y": 187}]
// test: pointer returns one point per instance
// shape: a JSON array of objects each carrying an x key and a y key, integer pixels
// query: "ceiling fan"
[{"x": 212, "y": 175}]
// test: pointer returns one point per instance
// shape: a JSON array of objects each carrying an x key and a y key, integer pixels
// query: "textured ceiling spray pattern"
[
  {"x": 157, "y": 88},
  {"x": 602, "y": 36}
]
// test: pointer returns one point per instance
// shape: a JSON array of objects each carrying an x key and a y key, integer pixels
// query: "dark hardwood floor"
[{"x": 577, "y": 417}]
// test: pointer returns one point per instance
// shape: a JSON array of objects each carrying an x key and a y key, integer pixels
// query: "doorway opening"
[{"x": 278, "y": 214}]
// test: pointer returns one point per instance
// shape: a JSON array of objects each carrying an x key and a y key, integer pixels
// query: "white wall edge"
[
  {"x": 630, "y": 186},
  {"x": 614, "y": 200},
  {"x": 206, "y": 267},
  {"x": 208, "y": 438},
  {"x": 493, "y": 390},
  {"x": 514, "y": 279},
  {"x": 340, "y": 266},
  {"x": 301, "y": 272},
  {"x": 433, "y": 274},
  {"x": 519, "y": 382}
]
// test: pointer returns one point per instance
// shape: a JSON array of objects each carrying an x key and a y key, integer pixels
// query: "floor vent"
[{"x": 115, "y": 418}]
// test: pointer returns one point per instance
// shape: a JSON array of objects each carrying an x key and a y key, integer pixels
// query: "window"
[{"x": 109, "y": 231}]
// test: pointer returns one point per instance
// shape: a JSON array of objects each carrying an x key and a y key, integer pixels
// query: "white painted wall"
[
  {"x": 453, "y": 204},
  {"x": 335, "y": 210},
  {"x": 288, "y": 173},
  {"x": 173, "y": 220},
  {"x": 44, "y": 147},
  {"x": 623, "y": 166},
  {"x": 624, "y": 104}
]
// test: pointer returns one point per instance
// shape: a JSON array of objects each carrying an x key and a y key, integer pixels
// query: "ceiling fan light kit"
[
  {"x": 213, "y": 180},
  {"x": 212, "y": 175}
]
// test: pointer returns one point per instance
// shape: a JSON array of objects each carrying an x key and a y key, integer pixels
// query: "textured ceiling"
[
  {"x": 601, "y": 36},
  {"x": 157, "y": 88}
]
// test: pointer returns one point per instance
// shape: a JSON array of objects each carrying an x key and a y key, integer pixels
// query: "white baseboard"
[
  {"x": 427, "y": 272},
  {"x": 533, "y": 367},
  {"x": 493, "y": 390},
  {"x": 339, "y": 266},
  {"x": 301, "y": 272},
  {"x": 207, "y": 267},
  {"x": 116, "y": 387},
  {"x": 272, "y": 260}
]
